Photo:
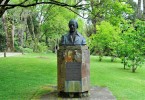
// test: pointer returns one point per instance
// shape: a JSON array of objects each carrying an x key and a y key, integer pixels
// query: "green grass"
[
  {"x": 21, "y": 77},
  {"x": 31, "y": 75},
  {"x": 124, "y": 84}
]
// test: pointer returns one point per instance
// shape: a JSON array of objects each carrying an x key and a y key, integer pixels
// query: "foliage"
[
  {"x": 106, "y": 39},
  {"x": 42, "y": 47},
  {"x": 113, "y": 11},
  {"x": 117, "y": 11},
  {"x": 132, "y": 45},
  {"x": 27, "y": 50}
]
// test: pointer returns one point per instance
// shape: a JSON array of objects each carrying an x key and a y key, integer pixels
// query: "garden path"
[{"x": 8, "y": 54}]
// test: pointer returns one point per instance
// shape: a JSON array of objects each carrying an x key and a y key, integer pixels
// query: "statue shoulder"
[
  {"x": 65, "y": 35},
  {"x": 63, "y": 39},
  {"x": 80, "y": 34}
]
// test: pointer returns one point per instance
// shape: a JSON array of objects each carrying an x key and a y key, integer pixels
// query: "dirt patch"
[{"x": 43, "y": 57}]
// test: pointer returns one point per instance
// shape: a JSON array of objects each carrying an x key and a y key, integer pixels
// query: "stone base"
[{"x": 95, "y": 93}]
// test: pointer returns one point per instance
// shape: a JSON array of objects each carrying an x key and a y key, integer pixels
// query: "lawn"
[{"x": 29, "y": 75}]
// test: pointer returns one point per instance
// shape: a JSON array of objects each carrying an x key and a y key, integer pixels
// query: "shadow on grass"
[
  {"x": 44, "y": 90},
  {"x": 105, "y": 59},
  {"x": 95, "y": 93},
  {"x": 127, "y": 70}
]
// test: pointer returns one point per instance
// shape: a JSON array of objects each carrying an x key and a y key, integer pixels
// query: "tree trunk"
[
  {"x": 112, "y": 58},
  {"x": 100, "y": 58},
  {"x": 20, "y": 37},
  {"x": 21, "y": 28},
  {"x": 133, "y": 68},
  {"x": 93, "y": 19},
  {"x": 33, "y": 26},
  {"x": 139, "y": 15},
  {"x": 46, "y": 41},
  {"x": 9, "y": 30},
  {"x": 144, "y": 9}
]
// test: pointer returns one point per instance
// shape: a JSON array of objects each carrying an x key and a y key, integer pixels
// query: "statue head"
[{"x": 73, "y": 25}]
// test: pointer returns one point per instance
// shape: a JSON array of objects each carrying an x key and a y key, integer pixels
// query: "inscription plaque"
[{"x": 73, "y": 71}]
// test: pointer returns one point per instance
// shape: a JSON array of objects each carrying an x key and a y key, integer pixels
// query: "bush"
[
  {"x": 27, "y": 50},
  {"x": 42, "y": 47}
]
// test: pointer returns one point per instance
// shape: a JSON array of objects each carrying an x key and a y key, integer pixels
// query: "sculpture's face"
[{"x": 72, "y": 27}]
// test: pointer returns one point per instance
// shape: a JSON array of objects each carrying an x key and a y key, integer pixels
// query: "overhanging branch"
[
  {"x": 10, "y": 6},
  {"x": 51, "y": 2},
  {"x": 76, "y": 13}
]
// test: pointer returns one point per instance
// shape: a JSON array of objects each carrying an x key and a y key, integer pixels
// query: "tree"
[
  {"x": 106, "y": 41},
  {"x": 9, "y": 30},
  {"x": 139, "y": 14},
  {"x": 2, "y": 37},
  {"x": 143, "y": 9},
  {"x": 132, "y": 16},
  {"x": 133, "y": 47},
  {"x": 112, "y": 11}
]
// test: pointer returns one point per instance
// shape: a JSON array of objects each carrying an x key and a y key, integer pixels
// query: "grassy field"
[{"x": 29, "y": 75}]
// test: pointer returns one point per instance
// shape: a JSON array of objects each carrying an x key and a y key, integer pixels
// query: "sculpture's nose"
[{"x": 71, "y": 26}]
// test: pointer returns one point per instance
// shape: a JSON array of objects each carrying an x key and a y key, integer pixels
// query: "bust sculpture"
[{"x": 73, "y": 37}]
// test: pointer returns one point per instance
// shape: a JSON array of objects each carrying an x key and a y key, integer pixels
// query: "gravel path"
[{"x": 9, "y": 54}]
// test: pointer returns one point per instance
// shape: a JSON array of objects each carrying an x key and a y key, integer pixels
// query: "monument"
[{"x": 73, "y": 63}]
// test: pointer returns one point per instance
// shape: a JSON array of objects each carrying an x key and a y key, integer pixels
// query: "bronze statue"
[
  {"x": 73, "y": 63},
  {"x": 73, "y": 37}
]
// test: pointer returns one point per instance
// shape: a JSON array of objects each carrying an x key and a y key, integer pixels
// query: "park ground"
[{"x": 30, "y": 76}]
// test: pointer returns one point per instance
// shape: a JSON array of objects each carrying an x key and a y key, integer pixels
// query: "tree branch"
[
  {"x": 2, "y": 9},
  {"x": 52, "y": 2},
  {"x": 76, "y": 13},
  {"x": 10, "y": 6}
]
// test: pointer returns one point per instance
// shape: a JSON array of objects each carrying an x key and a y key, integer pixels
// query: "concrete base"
[{"x": 95, "y": 93}]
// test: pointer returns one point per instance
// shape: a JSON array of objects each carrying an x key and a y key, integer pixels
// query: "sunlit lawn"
[
  {"x": 22, "y": 77},
  {"x": 124, "y": 84},
  {"x": 25, "y": 76}
]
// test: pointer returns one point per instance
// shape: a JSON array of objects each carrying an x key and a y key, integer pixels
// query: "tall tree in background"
[
  {"x": 143, "y": 9},
  {"x": 139, "y": 14},
  {"x": 133, "y": 16},
  {"x": 2, "y": 36},
  {"x": 9, "y": 31}
]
